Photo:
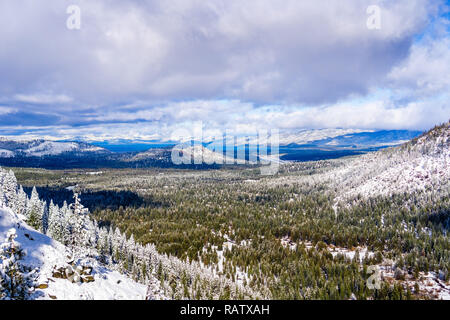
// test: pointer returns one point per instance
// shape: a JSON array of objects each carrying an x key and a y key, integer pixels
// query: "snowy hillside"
[
  {"x": 6, "y": 153},
  {"x": 44, "y": 254},
  {"x": 94, "y": 260},
  {"x": 200, "y": 154},
  {"x": 38, "y": 148},
  {"x": 307, "y": 136},
  {"x": 70, "y": 257},
  {"x": 422, "y": 163},
  {"x": 331, "y": 137},
  {"x": 54, "y": 148}
]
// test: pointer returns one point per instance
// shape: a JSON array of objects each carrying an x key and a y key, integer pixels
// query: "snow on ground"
[
  {"x": 51, "y": 148},
  {"x": 40, "y": 148},
  {"x": 435, "y": 287},
  {"x": 348, "y": 253},
  {"x": 418, "y": 165},
  {"x": 417, "y": 174},
  {"x": 411, "y": 167},
  {"x": 96, "y": 173},
  {"x": 429, "y": 283},
  {"x": 314, "y": 135},
  {"x": 227, "y": 245},
  {"x": 44, "y": 253},
  {"x": 201, "y": 155},
  {"x": 6, "y": 153}
]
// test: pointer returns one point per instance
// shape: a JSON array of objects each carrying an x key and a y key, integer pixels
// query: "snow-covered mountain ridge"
[
  {"x": 38, "y": 148},
  {"x": 420, "y": 164},
  {"x": 423, "y": 163}
]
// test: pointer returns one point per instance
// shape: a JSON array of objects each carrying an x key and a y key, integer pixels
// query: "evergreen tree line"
[{"x": 71, "y": 225}]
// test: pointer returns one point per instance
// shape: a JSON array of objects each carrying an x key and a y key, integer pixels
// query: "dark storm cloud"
[
  {"x": 140, "y": 60},
  {"x": 28, "y": 119}
]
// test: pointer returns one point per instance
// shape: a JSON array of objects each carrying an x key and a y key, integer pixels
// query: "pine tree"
[
  {"x": 15, "y": 282},
  {"x": 66, "y": 223},
  {"x": 22, "y": 201},
  {"x": 79, "y": 222},
  {"x": 35, "y": 210},
  {"x": 44, "y": 224},
  {"x": 52, "y": 220},
  {"x": 10, "y": 190}
]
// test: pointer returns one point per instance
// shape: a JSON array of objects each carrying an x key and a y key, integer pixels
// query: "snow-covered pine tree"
[
  {"x": 116, "y": 244},
  {"x": 15, "y": 281},
  {"x": 103, "y": 244},
  {"x": 55, "y": 222},
  {"x": 44, "y": 225},
  {"x": 35, "y": 210},
  {"x": 79, "y": 221},
  {"x": 22, "y": 201},
  {"x": 66, "y": 223},
  {"x": 90, "y": 236},
  {"x": 2, "y": 199},
  {"x": 10, "y": 190}
]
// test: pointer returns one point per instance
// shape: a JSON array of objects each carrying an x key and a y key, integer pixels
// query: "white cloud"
[
  {"x": 140, "y": 69},
  {"x": 427, "y": 69},
  {"x": 260, "y": 50},
  {"x": 43, "y": 98},
  {"x": 238, "y": 117},
  {"x": 6, "y": 110}
]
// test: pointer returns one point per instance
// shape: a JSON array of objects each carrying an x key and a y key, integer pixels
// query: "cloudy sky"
[{"x": 141, "y": 68}]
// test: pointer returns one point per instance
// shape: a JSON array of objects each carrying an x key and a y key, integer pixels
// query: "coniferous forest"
[{"x": 316, "y": 230}]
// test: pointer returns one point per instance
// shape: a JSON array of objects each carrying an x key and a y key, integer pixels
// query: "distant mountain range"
[
  {"x": 363, "y": 139},
  {"x": 40, "y": 148},
  {"x": 304, "y": 145}
]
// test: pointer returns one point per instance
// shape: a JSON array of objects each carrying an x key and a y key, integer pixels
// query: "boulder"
[
  {"x": 87, "y": 270},
  {"x": 42, "y": 286},
  {"x": 28, "y": 236},
  {"x": 59, "y": 273},
  {"x": 87, "y": 278},
  {"x": 69, "y": 271}
]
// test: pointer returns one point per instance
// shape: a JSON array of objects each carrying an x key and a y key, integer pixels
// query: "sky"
[{"x": 143, "y": 69}]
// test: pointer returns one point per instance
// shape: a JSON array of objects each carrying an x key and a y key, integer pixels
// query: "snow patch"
[{"x": 44, "y": 253}]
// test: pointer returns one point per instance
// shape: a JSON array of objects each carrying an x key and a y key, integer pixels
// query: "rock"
[
  {"x": 87, "y": 278},
  {"x": 52, "y": 297},
  {"x": 74, "y": 274},
  {"x": 28, "y": 236},
  {"x": 399, "y": 275},
  {"x": 69, "y": 271},
  {"x": 71, "y": 278},
  {"x": 87, "y": 270},
  {"x": 59, "y": 273},
  {"x": 42, "y": 286},
  {"x": 76, "y": 278}
]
